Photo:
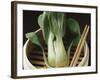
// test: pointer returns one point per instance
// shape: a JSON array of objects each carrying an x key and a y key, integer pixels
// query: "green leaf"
[
  {"x": 34, "y": 38},
  {"x": 56, "y": 23},
  {"x": 72, "y": 31},
  {"x": 73, "y": 25},
  {"x": 44, "y": 25},
  {"x": 76, "y": 41}
]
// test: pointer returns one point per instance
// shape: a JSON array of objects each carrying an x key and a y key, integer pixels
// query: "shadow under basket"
[{"x": 33, "y": 58}]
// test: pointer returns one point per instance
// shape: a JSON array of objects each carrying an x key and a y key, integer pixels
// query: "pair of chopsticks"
[{"x": 79, "y": 47}]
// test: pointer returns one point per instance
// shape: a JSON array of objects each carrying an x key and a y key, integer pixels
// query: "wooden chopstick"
[{"x": 79, "y": 47}]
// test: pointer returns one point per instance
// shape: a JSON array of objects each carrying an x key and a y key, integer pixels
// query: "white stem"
[
  {"x": 61, "y": 55},
  {"x": 51, "y": 50}
]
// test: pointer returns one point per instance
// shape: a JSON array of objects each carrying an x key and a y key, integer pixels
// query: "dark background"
[{"x": 30, "y": 19}]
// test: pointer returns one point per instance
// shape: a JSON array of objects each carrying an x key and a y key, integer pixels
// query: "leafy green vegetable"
[{"x": 57, "y": 30}]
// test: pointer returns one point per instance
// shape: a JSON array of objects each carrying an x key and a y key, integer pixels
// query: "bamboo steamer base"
[{"x": 35, "y": 57}]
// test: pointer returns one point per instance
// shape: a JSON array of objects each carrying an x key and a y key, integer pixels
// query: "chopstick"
[{"x": 79, "y": 47}]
